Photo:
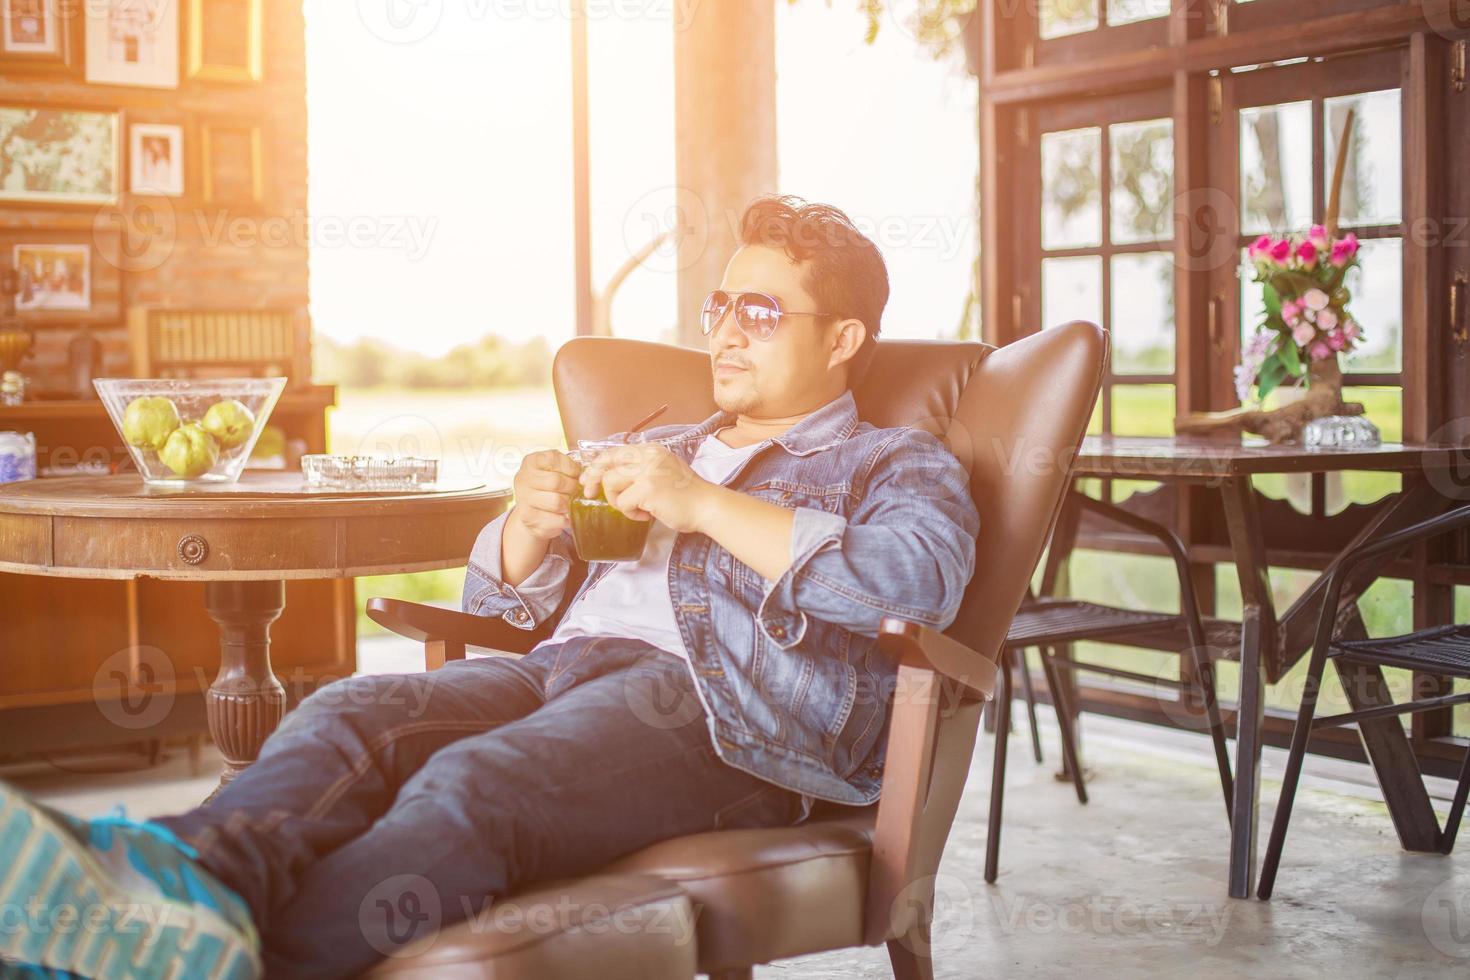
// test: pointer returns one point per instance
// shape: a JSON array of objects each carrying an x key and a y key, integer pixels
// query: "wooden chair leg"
[
  {"x": 909, "y": 954},
  {"x": 1002, "y": 706}
]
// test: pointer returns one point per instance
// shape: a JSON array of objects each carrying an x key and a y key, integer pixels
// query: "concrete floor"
[{"x": 1131, "y": 885}]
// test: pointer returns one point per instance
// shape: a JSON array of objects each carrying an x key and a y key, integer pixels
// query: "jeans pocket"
[{"x": 768, "y": 806}]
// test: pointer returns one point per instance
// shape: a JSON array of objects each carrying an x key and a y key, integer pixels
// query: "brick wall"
[{"x": 181, "y": 251}]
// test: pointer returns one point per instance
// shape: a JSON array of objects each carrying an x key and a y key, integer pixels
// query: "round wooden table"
[{"x": 243, "y": 541}]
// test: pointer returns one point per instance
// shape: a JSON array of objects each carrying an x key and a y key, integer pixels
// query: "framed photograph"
[
  {"x": 230, "y": 162},
  {"x": 37, "y": 34},
  {"x": 52, "y": 277},
  {"x": 58, "y": 156},
  {"x": 156, "y": 159},
  {"x": 225, "y": 40},
  {"x": 64, "y": 278},
  {"x": 133, "y": 42}
]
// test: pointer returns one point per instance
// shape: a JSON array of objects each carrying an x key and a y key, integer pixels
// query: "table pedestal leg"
[{"x": 246, "y": 701}]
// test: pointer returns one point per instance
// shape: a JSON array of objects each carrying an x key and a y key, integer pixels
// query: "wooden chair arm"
[
  {"x": 940, "y": 690},
  {"x": 923, "y": 646},
  {"x": 446, "y": 632}
]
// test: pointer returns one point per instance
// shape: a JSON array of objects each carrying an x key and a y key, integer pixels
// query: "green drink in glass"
[{"x": 601, "y": 531}]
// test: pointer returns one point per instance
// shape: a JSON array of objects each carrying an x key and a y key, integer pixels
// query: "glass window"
[
  {"x": 1142, "y": 163},
  {"x": 1372, "y": 184},
  {"x": 1143, "y": 410},
  {"x": 1071, "y": 289},
  {"x": 1058, "y": 18},
  {"x": 1276, "y": 168},
  {"x": 1071, "y": 196},
  {"x": 1143, "y": 313},
  {"x": 1130, "y": 11},
  {"x": 1377, "y": 304},
  {"x": 1252, "y": 299}
]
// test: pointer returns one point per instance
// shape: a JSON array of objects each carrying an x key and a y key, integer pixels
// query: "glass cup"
[{"x": 600, "y": 531}]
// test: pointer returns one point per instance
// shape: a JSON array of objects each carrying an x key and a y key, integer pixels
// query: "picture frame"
[
  {"x": 231, "y": 165},
  {"x": 60, "y": 155},
  {"x": 38, "y": 35},
  {"x": 133, "y": 42},
  {"x": 52, "y": 276},
  {"x": 66, "y": 302},
  {"x": 156, "y": 161},
  {"x": 225, "y": 41}
]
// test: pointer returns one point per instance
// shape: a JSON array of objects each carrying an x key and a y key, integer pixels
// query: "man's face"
[{"x": 791, "y": 373}]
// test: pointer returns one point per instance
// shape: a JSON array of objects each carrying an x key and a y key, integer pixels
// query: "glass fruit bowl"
[{"x": 183, "y": 432}]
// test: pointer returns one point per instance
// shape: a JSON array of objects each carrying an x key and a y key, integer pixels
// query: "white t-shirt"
[{"x": 632, "y": 599}]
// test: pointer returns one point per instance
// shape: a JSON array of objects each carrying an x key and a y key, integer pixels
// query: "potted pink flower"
[{"x": 1306, "y": 322}]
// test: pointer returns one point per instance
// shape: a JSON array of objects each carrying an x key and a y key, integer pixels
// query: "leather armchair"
[{"x": 1014, "y": 416}]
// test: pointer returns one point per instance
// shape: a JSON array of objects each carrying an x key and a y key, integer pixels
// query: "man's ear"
[{"x": 847, "y": 339}]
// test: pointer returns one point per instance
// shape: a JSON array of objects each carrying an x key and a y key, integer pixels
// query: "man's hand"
[
  {"x": 543, "y": 492},
  {"x": 646, "y": 480}
]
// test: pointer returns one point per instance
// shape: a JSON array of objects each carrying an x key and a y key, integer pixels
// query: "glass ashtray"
[
  {"x": 325, "y": 471},
  {"x": 1340, "y": 432}
]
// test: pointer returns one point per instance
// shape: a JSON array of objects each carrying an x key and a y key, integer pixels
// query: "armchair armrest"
[
  {"x": 931, "y": 739},
  {"x": 446, "y": 632},
  {"x": 923, "y": 646}
]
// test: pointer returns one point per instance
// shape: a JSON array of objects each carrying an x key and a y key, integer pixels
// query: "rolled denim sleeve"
[
  {"x": 526, "y": 605},
  {"x": 907, "y": 549}
]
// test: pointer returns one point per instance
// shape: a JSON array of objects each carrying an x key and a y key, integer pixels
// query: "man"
[{"x": 727, "y": 679}]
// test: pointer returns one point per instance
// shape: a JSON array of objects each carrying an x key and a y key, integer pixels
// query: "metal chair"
[
  {"x": 1441, "y": 650},
  {"x": 1048, "y": 622}
]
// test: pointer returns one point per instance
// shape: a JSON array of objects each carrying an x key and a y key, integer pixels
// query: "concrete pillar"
[{"x": 725, "y": 137}]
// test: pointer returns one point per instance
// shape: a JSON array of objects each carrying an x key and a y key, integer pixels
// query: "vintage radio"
[{"x": 195, "y": 343}]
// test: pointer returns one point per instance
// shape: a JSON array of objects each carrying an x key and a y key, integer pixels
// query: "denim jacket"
[{"x": 794, "y": 688}]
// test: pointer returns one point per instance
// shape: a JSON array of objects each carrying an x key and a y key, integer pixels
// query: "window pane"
[
  {"x": 1143, "y": 180},
  {"x": 1058, "y": 18},
  {"x": 1071, "y": 199},
  {"x": 1276, "y": 168},
  {"x": 1252, "y": 299},
  {"x": 1377, "y": 303},
  {"x": 1372, "y": 183},
  {"x": 1071, "y": 289},
  {"x": 1128, "y": 11},
  {"x": 1143, "y": 313},
  {"x": 1383, "y": 406},
  {"x": 1143, "y": 410}
]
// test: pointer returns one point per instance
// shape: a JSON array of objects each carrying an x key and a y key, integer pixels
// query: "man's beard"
[{"x": 738, "y": 399}]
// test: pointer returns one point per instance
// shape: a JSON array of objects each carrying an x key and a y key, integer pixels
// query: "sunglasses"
[{"x": 756, "y": 314}]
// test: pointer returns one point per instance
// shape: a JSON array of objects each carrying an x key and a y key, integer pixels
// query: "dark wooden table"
[
  {"x": 243, "y": 541},
  {"x": 1270, "y": 645}
]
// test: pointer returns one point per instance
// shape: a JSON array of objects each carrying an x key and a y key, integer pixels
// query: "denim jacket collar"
[{"x": 829, "y": 425}]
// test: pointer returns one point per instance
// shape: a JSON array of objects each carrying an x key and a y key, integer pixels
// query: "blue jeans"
[{"x": 385, "y": 807}]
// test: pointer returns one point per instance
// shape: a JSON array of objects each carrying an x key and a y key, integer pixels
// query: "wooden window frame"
[{"x": 1186, "y": 58}]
